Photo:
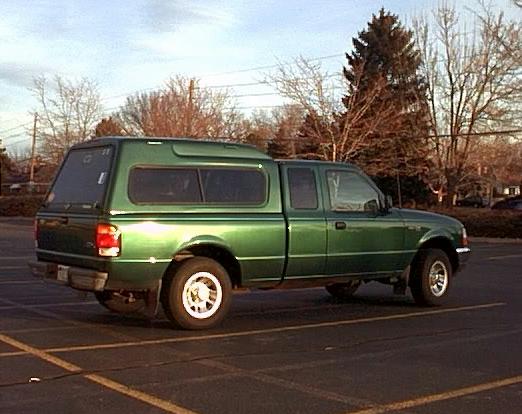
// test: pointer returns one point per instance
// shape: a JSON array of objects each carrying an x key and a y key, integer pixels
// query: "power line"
[
  {"x": 477, "y": 134},
  {"x": 13, "y": 135},
  {"x": 233, "y": 72},
  {"x": 272, "y": 66},
  {"x": 15, "y": 127},
  {"x": 12, "y": 143}
]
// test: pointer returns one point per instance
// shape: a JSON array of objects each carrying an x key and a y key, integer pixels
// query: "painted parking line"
[
  {"x": 253, "y": 332},
  {"x": 50, "y": 305},
  {"x": 506, "y": 256},
  {"x": 165, "y": 405},
  {"x": 13, "y": 267},
  {"x": 443, "y": 396},
  {"x": 17, "y": 258},
  {"x": 18, "y": 282}
]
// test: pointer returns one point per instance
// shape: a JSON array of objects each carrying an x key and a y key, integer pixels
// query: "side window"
[
  {"x": 164, "y": 186},
  {"x": 350, "y": 191},
  {"x": 233, "y": 186},
  {"x": 303, "y": 191}
]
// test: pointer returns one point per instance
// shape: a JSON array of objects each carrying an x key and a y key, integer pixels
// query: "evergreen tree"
[
  {"x": 309, "y": 138},
  {"x": 386, "y": 51},
  {"x": 281, "y": 145}
]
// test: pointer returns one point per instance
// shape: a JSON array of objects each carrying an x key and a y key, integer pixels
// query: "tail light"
[{"x": 108, "y": 240}]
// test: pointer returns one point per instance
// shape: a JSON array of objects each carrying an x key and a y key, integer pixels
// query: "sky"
[{"x": 132, "y": 45}]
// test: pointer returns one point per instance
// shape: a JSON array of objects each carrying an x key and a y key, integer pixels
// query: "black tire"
[
  {"x": 180, "y": 294},
  {"x": 430, "y": 290},
  {"x": 343, "y": 291},
  {"x": 118, "y": 304}
]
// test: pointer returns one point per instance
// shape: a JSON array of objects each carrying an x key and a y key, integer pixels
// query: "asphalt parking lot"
[{"x": 296, "y": 351}]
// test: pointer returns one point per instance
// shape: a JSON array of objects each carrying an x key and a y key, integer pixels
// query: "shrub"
[
  {"x": 22, "y": 205},
  {"x": 489, "y": 223}
]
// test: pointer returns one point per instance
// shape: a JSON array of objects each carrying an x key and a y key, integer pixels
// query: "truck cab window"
[
  {"x": 349, "y": 191},
  {"x": 302, "y": 188}
]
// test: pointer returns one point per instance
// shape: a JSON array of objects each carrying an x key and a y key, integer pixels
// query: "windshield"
[{"x": 82, "y": 179}]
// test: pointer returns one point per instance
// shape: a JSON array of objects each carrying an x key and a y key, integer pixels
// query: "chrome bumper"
[{"x": 76, "y": 277}]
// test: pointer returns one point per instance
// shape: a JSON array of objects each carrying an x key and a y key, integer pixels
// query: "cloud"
[
  {"x": 170, "y": 15},
  {"x": 20, "y": 74}
]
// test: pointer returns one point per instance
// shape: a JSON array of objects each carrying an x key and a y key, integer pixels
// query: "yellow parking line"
[
  {"x": 107, "y": 383},
  {"x": 448, "y": 395},
  {"x": 274, "y": 330}
]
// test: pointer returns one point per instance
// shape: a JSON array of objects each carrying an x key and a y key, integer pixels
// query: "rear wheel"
[
  {"x": 120, "y": 303},
  {"x": 343, "y": 290},
  {"x": 197, "y": 295},
  {"x": 431, "y": 277}
]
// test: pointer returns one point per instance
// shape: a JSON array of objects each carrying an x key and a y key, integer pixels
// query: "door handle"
[{"x": 340, "y": 225}]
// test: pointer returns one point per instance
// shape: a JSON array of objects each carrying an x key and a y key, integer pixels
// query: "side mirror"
[{"x": 372, "y": 206}]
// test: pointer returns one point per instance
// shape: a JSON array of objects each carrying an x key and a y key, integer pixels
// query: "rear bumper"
[
  {"x": 76, "y": 277},
  {"x": 463, "y": 254}
]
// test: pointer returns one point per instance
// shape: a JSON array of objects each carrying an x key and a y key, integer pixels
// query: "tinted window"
[
  {"x": 303, "y": 192},
  {"x": 83, "y": 178},
  {"x": 350, "y": 191},
  {"x": 164, "y": 185},
  {"x": 234, "y": 186}
]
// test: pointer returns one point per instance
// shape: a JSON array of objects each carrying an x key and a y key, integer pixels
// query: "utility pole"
[
  {"x": 2, "y": 151},
  {"x": 188, "y": 125},
  {"x": 33, "y": 150}
]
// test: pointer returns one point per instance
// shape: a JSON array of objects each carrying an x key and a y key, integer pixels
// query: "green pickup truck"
[{"x": 144, "y": 221}]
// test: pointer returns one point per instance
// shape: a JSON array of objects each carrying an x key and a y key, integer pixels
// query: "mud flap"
[
  {"x": 400, "y": 287},
  {"x": 152, "y": 300}
]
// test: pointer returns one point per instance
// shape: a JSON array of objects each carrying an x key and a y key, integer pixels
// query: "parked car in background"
[
  {"x": 473, "y": 201},
  {"x": 513, "y": 203}
]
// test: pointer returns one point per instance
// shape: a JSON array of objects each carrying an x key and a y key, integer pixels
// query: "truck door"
[
  {"x": 304, "y": 211},
  {"x": 362, "y": 238}
]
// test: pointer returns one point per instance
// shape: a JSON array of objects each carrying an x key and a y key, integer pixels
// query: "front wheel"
[
  {"x": 197, "y": 295},
  {"x": 431, "y": 277}
]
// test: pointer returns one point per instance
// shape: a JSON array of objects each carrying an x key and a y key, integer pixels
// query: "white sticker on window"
[{"x": 102, "y": 177}]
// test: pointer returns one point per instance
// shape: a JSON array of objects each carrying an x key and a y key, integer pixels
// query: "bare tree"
[
  {"x": 288, "y": 121},
  {"x": 67, "y": 111},
  {"x": 109, "y": 127},
  {"x": 495, "y": 160},
  {"x": 337, "y": 132},
  {"x": 257, "y": 129},
  {"x": 182, "y": 108},
  {"x": 474, "y": 85}
]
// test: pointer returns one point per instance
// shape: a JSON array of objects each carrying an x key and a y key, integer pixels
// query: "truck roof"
[
  {"x": 307, "y": 163},
  {"x": 204, "y": 147},
  {"x": 187, "y": 146}
]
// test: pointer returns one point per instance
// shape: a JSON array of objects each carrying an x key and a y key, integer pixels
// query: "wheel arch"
[
  {"x": 211, "y": 250},
  {"x": 443, "y": 243}
]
